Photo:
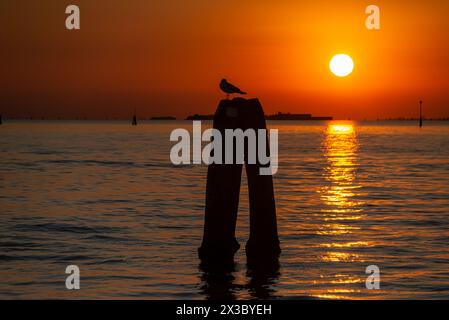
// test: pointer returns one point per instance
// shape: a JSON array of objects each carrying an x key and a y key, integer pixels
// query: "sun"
[{"x": 341, "y": 65}]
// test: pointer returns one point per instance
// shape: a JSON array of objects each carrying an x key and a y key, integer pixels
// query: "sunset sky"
[{"x": 167, "y": 57}]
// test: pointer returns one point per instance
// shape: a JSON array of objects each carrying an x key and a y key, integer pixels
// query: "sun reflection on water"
[
  {"x": 340, "y": 149},
  {"x": 341, "y": 206}
]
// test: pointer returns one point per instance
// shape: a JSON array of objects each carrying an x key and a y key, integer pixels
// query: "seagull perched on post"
[{"x": 229, "y": 88}]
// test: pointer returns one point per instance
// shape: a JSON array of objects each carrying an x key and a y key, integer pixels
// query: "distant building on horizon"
[
  {"x": 277, "y": 116},
  {"x": 292, "y": 116},
  {"x": 201, "y": 117}
]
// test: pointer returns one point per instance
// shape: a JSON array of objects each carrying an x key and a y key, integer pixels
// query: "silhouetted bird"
[{"x": 229, "y": 88}]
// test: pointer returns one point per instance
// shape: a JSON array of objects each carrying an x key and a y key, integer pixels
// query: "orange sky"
[{"x": 167, "y": 57}]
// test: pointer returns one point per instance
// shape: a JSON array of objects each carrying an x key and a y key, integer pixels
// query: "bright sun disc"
[{"x": 341, "y": 65}]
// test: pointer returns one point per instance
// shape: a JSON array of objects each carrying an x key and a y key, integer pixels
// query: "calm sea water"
[{"x": 104, "y": 196}]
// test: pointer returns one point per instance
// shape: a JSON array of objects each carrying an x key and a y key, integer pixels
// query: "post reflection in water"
[
  {"x": 219, "y": 281},
  {"x": 341, "y": 209}
]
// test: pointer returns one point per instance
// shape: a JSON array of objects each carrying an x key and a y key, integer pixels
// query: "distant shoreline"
[
  {"x": 154, "y": 119},
  {"x": 277, "y": 116}
]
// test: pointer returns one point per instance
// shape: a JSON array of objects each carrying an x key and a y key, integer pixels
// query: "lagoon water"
[{"x": 105, "y": 197}]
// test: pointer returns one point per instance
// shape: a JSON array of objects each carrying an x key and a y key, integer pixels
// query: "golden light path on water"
[{"x": 340, "y": 147}]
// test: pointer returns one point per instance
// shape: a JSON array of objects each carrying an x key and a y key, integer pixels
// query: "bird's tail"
[{"x": 241, "y": 92}]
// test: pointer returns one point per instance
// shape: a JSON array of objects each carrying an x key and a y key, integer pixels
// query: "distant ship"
[
  {"x": 163, "y": 118},
  {"x": 201, "y": 117},
  {"x": 278, "y": 116},
  {"x": 292, "y": 116}
]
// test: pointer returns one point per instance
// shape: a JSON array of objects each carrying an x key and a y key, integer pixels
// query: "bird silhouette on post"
[{"x": 229, "y": 88}]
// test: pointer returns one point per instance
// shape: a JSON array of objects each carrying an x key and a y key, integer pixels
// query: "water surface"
[{"x": 104, "y": 196}]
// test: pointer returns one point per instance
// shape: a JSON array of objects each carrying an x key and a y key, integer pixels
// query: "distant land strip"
[
  {"x": 277, "y": 116},
  {"x": 282, "y": 116}
]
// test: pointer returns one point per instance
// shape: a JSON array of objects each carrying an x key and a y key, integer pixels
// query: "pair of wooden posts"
[{"x": 223, "y": 191}]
